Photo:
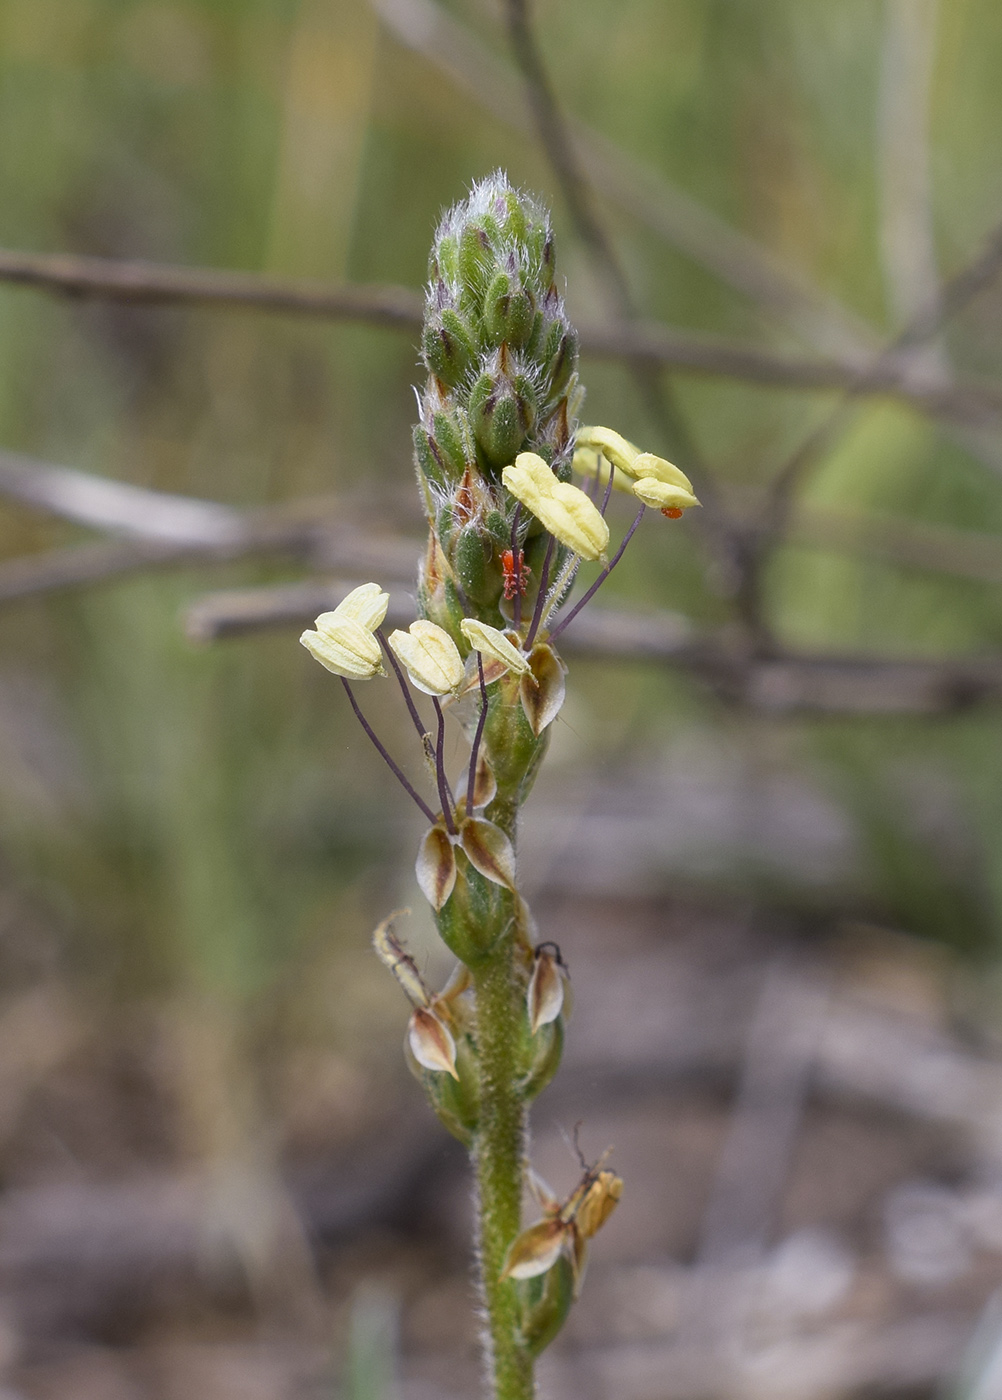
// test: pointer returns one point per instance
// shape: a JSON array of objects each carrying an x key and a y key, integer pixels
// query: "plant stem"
[{"x": 499, "y": 1151}]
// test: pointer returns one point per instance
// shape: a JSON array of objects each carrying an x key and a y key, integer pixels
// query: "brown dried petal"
[
  {"x": 542, "y": 693},
  {"x": 431, "y": 1042},
  {"x": 546, "y": 991},
  {"x": 600, "y": 1200},
  {"x": 484, "y": 784},
  {"x": 436, "y": 866},
  {"x": 489, "y": 850},
  {"x": 535, "y": 1250},
  {"x": 579, "y": 1261}
]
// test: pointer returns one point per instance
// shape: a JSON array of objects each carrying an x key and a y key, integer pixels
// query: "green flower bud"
[
  {"x": 564, "y": 361},
  {"x": 508, "y": 312},
  {"x": 476, "y": 568},
  {"x": 448, "y": 347},
  {"x": 502, "y": 381},
  {"x": 444, "y": 262},
  {"x": 501, "y": 413},
  {"x": 430, "y": 461},
  {"x": 455, "y": 441},
  {"x": 476, "y": 264}
]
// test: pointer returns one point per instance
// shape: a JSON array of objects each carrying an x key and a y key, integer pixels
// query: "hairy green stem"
[{"x": 499, "y": 1150}]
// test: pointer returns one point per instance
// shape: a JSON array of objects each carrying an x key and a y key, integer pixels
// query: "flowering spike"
[
  {"x": 436, "y": 866},
  {"x": 431, "y": 657},
  {"x": 545, "y": 996},
  {"x": 565, "y": 510},
  {"x": 489, "y": 850},
  {"x": 431, "y": 1042}
]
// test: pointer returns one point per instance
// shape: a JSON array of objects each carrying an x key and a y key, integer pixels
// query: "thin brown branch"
[
  {"x": 161, "y": 529},
  {"x": 619, "y": 178},
  {"x": 399, "y": 308},
  {"x": 160, "y": 284},
  {"x": 237, "y": 611},
  {"x": 555, "y": 139},
  {"x": 922, "y": 329},
  {"x": 782, "y": 684}
]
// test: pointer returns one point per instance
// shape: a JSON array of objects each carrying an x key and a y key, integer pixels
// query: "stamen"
[
  {"x": 444, "y": 795},
  {"x": 422, "y": 731},
  {"x": 471, "y": 781},
  {"x": 537, "y": 612},
  {"x": 569, "y": 617},
  {"x": 394, "y": 769}
]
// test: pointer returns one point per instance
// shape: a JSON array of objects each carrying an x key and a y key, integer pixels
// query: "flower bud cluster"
[{"x": 502, "y": 379}]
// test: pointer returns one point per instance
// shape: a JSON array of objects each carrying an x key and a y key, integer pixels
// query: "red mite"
[
  {"x": 516, "y": 575},
  {"x": 672, "y": 512}
]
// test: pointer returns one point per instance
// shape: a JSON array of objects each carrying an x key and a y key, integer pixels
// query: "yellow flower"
[
  {"x": 430, "y": 656},
  {"x": 671, "y": 500},
  {"x": 612, "y": 445},
  {"x": 649, "y": 467},
  {"x": 494, "y": 644},
  {"x": 344, "y": 641},
  {"x": 565, "y": 510},
  {"x": 588, "y": 461},
  {"x": 591, "y": 444}
]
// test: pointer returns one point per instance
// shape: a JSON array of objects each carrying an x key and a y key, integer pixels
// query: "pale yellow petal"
[
  {"x": 365, "y": 605},
  {"x": 493, "y": 643},
  {"x": 346, "y": 649},
  {"x": 430, "y": 656}
]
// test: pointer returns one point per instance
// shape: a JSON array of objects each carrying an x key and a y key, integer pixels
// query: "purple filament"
[
  {"x": 608, "y": 489},
  {"x": 403, "y": 686},
  {"x": 385, "y": 756},
  {"x": 569, "y": 617},
  {"x": 444, "y": 795},
  {"x": 544, "y": 578},
  {"x": 471, "y": 781}
]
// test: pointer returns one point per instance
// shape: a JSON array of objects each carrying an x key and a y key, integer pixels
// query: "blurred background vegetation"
[{"x": 194, "y": 840}]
